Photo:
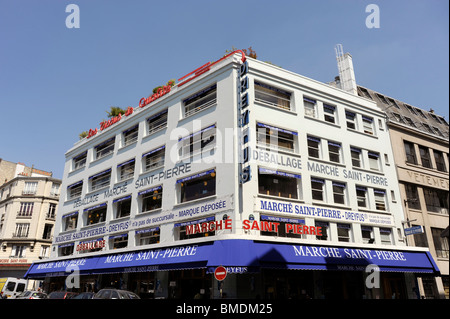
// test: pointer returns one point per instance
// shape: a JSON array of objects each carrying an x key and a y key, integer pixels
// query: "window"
[
  {"x": 278, "y": 183},
  {"x": 411, "y": 109},
  {"x": 96, "y": 214},
  {"x": 425, "y": 156},
  {"x": 200, "y": 101},
  {"x": 197, "y": 186},
  {"x": 334, "y": 150},
  {"x": 18, "y": 251},
  {"x": 339, "y": 193},
  {"x": 274, "y": 137},
  {"x": 100, "y": 180},
  {"x": 130, "y": 136},
  {"x": 153, "y": 159},
  {"x": 30, "y": 188},
  {"x": 198, "y": 142},
  {"x": 51, "y": 211},
  {"x": 313, "y": 146},
  {"x": 356, "y": 156},
  {"x": 119, "y": 241},
  {"x": 385, "y": 234},
  {"x": 186, "y": 228},
  {"x": 151, "y": 199},
  {"x": 268, "y": 229},
  {"x": 105, "y": 148},
  {"x": 126, "y": 170},
  {"x": 26, "y": 209},
  {"x": 367, "y": 234},
  {"x": 410, "y": 122},
  {"x": 361, "y": 196},
  {"x": 317, "y": 187},
  {"x": 55, "y": 190},
  {"x": 367, "y": 125},
  {"x": 147, "y": 236},
  {"x": 412, "y": 196},
  {"x": 420, "y": 240},
  {"x": 156, "y": 122},
  {"x": 428, "y": 128},
  {"x": 66, "y": 249},
  {"x": 410, "y": 152},
  {"x": 70, "y": 221},
  {"x": 344, "y": 232},
  {"x": 310, "y": 107},
  {"x": 329, "y": 113},
  {"x": 351, "y": 120},
  {"x": 436, "y": 200},
  {"x": 440, "y": 243},
  {"x": 47, "y": 231},
  {"x": 380, "y": 199},
  {"x": 374, "y": 162},
  {"x": 398, "y": 117},
  {"x": 439, "y": 159},
  {"x": 437, "y": 131},
  {"x": 272, "y": 96},
  {"x": 22, "y": 230},
  {"x": 421, "y": 113},
  {"x": 79, "y": 161},
  {"x": 74, "y": 190},
  {"x": 123, "y": 206},
  {"x": 325, "y": 230}
]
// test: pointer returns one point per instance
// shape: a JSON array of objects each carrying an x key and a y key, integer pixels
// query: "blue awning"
[{"x": 244, "y": 255}]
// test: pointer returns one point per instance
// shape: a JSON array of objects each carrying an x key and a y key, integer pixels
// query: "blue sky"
[{"x": 56, "y": 82}]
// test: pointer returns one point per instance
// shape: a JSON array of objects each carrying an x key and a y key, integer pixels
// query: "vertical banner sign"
[{"x": 243, "y": 123}]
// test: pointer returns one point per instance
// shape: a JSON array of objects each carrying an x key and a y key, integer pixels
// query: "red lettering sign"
[
  {"x": 161, "y": 92},
  {"x": 208, "y": 227}
]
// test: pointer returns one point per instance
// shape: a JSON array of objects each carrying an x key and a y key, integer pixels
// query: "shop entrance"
[
  {"x": 393, "y": 286},
  {"x": 190, "y": 284},
  {"x": 287, "y": 284}
]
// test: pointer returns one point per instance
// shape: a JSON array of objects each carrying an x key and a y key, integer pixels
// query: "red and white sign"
[{"x": 220, "y": 273}]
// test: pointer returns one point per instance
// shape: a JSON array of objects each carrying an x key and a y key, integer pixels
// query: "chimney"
[{"x": 346, "y": 72}]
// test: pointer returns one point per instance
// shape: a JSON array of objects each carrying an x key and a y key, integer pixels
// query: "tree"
[
  {"x": 115, "y": 111},
  {"x": 83, "y": 134}
]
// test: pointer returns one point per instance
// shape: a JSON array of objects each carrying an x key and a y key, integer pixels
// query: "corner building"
[{"x": 287, "y": 182}]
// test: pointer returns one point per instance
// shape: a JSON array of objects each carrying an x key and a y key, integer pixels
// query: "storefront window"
[
  {"x": 275, "y": 138},
  {"x": 325, "y": 230},
  {"x": 272, "y": 96},
  {"x": 153, "y": 159},
  {"x": 123, "y": 206},
  {"x": 119, "y": 241},
  {"x": 278, "y": 183},
  {"x": 197, "y": 186},
  {"x": 344, "y": 232},
  {"x": 151, "y": 199},
  {"x": 147, "y": 236},
  {"x": 367, "y": 234},
  {"x": 280, "y": 230},
  {"x": 96, "y": 214},
  {"x": 386, "y": 237}
]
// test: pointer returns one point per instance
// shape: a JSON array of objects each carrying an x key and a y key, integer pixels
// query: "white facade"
[{"x": 338, "y": 125}]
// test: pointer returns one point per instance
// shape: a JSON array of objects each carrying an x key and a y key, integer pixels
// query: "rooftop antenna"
[{"x": 346, "y": 72}]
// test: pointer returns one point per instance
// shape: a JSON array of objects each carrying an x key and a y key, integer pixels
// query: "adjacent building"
[
  {"x": 28, "y": 204},
  {"x": 289, "y": 183},
  {"x": 420, "y": 145}
]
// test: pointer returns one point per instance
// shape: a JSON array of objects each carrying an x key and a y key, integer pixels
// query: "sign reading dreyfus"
[{"x": 273, "y": 206}]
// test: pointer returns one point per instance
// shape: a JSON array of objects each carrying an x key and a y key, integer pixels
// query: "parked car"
[
  {"x": 115, "y": 294},
  {"x": 11, "y": 287},
  {"x": 84, "y": 295},
  {"x": 31, "y": 294},
  {"x": 62, "y": 295}
]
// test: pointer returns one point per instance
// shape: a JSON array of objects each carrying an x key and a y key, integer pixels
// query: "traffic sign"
[
  {"x": 413, "y": 230},
  {"x": 220, "y": 273}
]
